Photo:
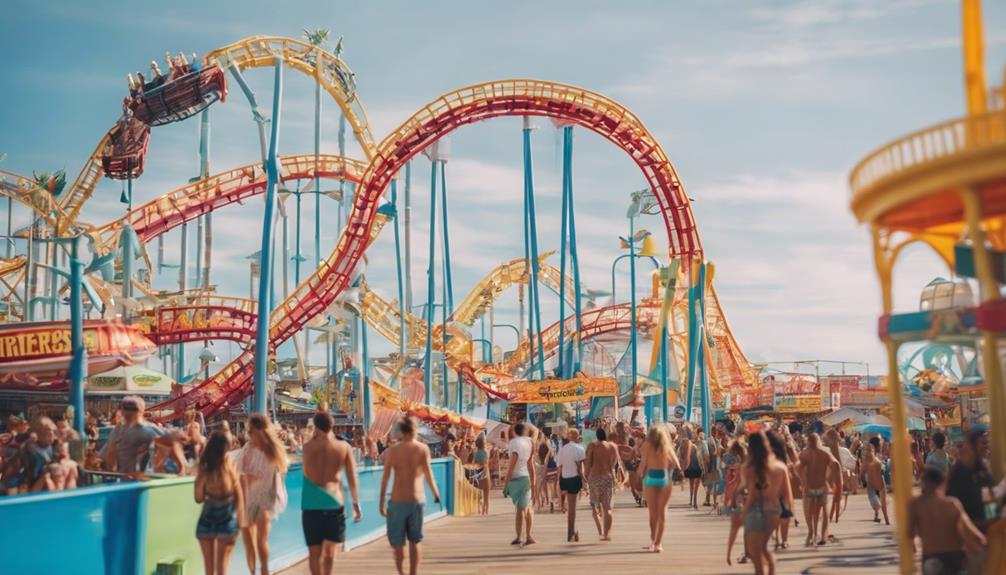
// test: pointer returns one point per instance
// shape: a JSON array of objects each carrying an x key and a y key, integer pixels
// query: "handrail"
[
  {"x": 944, "y": 140},
  {"x": 467, "y": 497}
]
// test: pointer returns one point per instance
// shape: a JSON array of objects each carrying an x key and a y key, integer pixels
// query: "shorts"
[
  {"x": 218, "y": 520},
  {"x": 820, "y": 494},
  {"x": 874, "y": 497},
  {"x": 571, "y": 485},
  {"x": 601, "y": 489},
  {"x": 519, "y": 491},
  {"x": 943, "y": 563},
  {"x": 323, "y": 525},
  {"x": 693, "y": 472},
  {"x": 405, "y": 521}
]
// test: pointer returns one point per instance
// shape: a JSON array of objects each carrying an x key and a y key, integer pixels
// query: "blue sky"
[{"x": 763, "y": 107}]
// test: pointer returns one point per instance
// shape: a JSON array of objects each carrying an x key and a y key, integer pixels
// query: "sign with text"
[
  {"x": 562, "y": 390},
  {"x": 797, "y": 403}
]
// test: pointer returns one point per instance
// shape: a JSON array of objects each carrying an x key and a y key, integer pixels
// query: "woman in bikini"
[
  {"x": 218, "y": 488},
  {"x": 655, "y": 466},
  {"x": 778, "y": 447},
  {"x": 733, "y": 495},
  {"x": 481, "y": 459},
  {"x": 767, "y": 481},
  {"x": 542, "y": 496},
  {"x": 262, "y": 463}
]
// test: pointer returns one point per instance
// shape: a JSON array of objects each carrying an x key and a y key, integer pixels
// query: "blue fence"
[{"x": 129, "y": 528}]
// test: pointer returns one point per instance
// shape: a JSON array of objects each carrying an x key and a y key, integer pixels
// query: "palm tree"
[{"x": 317, "y": 38}]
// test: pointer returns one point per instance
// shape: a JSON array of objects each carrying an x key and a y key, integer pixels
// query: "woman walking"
[
  {"x": 767, "y": 480},
  {"x": 218, "y": 488},
  {"x": 481, "y": 459},
  {"x": 542, "y": 461},
  {"x": 655, "y": 466},
  {"x": 693, "y": 470},
  {"x": 262, "y": 463},
  {"x": 778, "y": 447}
]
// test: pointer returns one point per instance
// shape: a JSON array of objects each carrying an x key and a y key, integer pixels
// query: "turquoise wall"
[{"x": 127, "y": 528}]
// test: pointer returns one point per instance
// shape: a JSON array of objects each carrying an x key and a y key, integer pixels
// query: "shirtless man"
[
  {"x": 815, "y": 466},
  {"x": 942, "y": 525},
  {"x": 410, "y": 460},
  {"x": 601, "y": 462},
  {"x": 876, "y": 489},
  {"x": 323, "y": 514}
]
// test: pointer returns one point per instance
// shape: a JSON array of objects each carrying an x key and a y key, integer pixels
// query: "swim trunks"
[
  {"x": 571, "y": 485},
  {"x": 405, "y": 520},
  {"x": 820, "y": 493},
  {"x": 874, "y": 497},
  {"x": 601, "y": 489},
  {"x": 943, "y": 563},
  {"x": 323, "y": 525},
  {"x": 519, "y": 491}
]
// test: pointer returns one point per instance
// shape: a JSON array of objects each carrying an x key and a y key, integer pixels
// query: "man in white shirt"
[
  {"x": 519, "y": 479},
  {"x": 570, "y": 460}
]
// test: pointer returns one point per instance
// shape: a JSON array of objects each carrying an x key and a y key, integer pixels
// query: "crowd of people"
[{"x": 753, "y": 478}]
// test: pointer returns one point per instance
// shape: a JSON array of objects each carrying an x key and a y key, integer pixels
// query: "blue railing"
[{"x": 131, "y": 527}]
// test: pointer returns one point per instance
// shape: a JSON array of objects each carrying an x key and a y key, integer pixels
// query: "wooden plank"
[{"x": 694, "y": 542}]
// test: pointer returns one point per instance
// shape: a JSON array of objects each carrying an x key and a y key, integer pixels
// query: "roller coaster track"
[
  {"x": 188, "y": 202},
  {"x": 382, "y": 314},
  {"x": 435, "y": 120},
  {"x": 204, "y": 318},
  {"x": 333, "y": 74},
  {"x": 257, "y": 51}
]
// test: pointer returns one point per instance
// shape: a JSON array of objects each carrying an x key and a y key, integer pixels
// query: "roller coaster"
[{"x": 683, "y": 308}]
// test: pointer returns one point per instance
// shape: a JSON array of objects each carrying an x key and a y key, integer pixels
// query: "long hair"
[
  {"x": 758, "y": 454},
  {"x": 213, "y": 463},
  {"x": 543, "y": 451},
  {"x": 271, "y": 445},
  {"x": 777, "y": 445},
  {"x": 660, "y": 442}
]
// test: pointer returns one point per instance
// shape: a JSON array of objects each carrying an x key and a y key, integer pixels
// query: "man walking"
[
  {"x": 323, "y": 514},
  {"x": 601, "y": 461},
  {"x": 519, "y": 479},
  {"x": 813, "y": 467},
  {"x": 570, "y": 460},
  {"x": 410, "y": 460}
]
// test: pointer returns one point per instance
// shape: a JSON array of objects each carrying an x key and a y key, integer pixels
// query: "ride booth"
[{"x": 556, "y": 392}]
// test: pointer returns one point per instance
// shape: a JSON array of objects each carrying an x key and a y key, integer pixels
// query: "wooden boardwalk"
[{"x": 695, "y": 542}]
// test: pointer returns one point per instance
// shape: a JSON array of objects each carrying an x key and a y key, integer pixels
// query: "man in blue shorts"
[{"x": 410, "y": 460}]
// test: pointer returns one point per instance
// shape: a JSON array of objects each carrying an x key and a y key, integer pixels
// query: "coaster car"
[
  {"x": 165, "y": 101},
  {"x": 122, "y": 156}
]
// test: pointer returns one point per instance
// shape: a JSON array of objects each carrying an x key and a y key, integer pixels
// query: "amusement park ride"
[{"x": 695, "y": 359}]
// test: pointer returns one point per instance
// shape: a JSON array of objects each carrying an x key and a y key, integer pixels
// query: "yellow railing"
[
  {"x": 467, "y": 497},
  {"x": 939, "y": 142}
]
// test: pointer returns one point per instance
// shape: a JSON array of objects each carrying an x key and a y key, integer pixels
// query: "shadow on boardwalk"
[{"x": 694, "y": 542}]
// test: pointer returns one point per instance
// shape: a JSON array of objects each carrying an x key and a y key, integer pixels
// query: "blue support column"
[
  {"x": 403, "y": 334},
  {"x": 532, "y": 236},
  {"x": 632, "y": 304},
  {"x": 265, "y": 264},
  {"x": 78, "y": 365},
  {"x": 573, "y": 257},
  {"x": 563, "y": 233},
  {"x": 448, "y": 287},
  {"x": 430, "y": 286},
  {"x": 365, "y": 369}
]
